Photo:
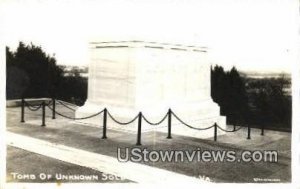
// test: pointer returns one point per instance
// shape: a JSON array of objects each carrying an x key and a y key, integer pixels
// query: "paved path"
[
  {"x": 132, "y": 171},
  {"x": 20, "y": 169}
]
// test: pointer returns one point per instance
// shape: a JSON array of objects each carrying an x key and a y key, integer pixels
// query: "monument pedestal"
[
  {"x": 132, "y": 77},
  {"x": 187, "y": 114}
]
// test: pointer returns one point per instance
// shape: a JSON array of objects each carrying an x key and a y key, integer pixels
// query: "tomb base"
[{"x": 200, "y": 115}]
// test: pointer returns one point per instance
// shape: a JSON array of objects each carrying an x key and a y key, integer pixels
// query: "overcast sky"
[{"x": 250, "y": 34}]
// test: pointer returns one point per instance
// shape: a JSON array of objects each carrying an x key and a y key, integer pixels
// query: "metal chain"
[
  {"x": 122, "y": 123},
  {"x": 157, "y": 123},
  {"x": 33, "y": 108},
  {"x": 238, "y": 129},
  {"x": 229, "y": 131},
  {"x": 65, "y": 105},
  {"x": 50, "y": 103},
  {"x": 74, "y": 118},
  {"x": 190, "y": 125}
]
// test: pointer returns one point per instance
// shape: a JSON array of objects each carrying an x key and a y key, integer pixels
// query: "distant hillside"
[
  {"x": 254, "y": 80},
  {"x": 260, "y": 75},
  {"x": 70, "y": 70}
]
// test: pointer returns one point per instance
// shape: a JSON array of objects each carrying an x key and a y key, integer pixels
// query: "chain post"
[
  {"x": 262, "y": 130},
  {"x": 104, "y": 123},
  {"x": 234, "y": 126},
  {"x": 215, "y": 131},
  {"x": 169, "y": 124},
  {"x": 249, "y": 132},
  {"x": 22, "y": 110},
  {"x": 53, "y": 108},
  {"x": 139, "y": 133},
  {"x": 44, "y": 113}
]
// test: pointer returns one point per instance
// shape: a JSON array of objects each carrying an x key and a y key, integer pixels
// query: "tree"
[
  {"x": 41, "y": 70},
  {"x": 228, "y": 90},
  {"x": 31, "y": 73},
  {"x": 73, "y": 89},
  {"x": 237, "y": 96},
  {"x": 273, "y": 105}
]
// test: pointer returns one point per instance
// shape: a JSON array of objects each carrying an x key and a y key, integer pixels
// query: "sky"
[{"x": 253, "y": 35}]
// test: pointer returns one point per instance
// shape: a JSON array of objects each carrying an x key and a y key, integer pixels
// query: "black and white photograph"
[{"x": 171, "y": 92}]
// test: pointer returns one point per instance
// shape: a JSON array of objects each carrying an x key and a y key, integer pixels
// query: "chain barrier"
[
  {"x": 50, "y": 103},
  {"x": 190, "y": 125},
  {"x": 234, "y": 130},
  {"x": 75, "y": 118},
  {"x": 238, "y": 129},
  {"x": 32, "y": 107},
  {"x": 122, "y": 123},
  {"x": 60, "y": 102},
  {"x": 157, "y": 123},
  {"x": 140, "y": 116}
]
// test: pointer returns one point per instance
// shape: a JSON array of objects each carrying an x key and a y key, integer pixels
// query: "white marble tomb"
[{"x": 129, "y": 77}]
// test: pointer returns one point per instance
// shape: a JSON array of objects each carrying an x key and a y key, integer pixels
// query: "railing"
[{"x": 140, "y": 117}]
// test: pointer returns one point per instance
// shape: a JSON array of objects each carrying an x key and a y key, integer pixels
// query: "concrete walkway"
[
  {"x": 19, "y": 170},
  {"x": 132, "y": 171}
]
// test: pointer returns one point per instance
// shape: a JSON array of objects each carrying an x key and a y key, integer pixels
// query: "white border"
[{"x": 295, "y": 139}]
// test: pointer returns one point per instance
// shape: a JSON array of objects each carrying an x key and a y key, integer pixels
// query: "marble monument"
[{"x": 128, "y": 77}]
